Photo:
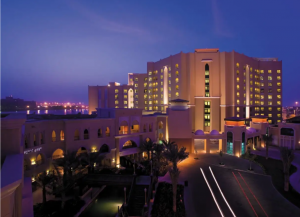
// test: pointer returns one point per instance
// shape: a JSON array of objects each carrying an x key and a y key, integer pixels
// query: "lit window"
[
  {"x": 146, "y": 108},
  {"x": 169, "y": 75},
  {"x": 262, "y": 71},
  {"x": 150, "y": 73},
  {"x": 262, "y": 103},
  {"x": 278, "y": 102},
  {"x": 251, "y": 95},
  {"x": 278, "y": 121},
  {"x": 177, "y": 94},
  {"x": 251, "y": 76},
  {"x": 116, "y": 91},
  {"x": 169, "y": 81},
  {"x": 279, "y": 109},
  {"x": 269, "y": 71},
  {"x": 237, "y": 79},
  {"x": 116, "y": 106},
  {"x": 125, "y": 102},
  {"x": 279, "y": 96},
  {"x": 270, "y": 78},
  {"x": 177, "y": 87},
  {"x": 169, "y": 95},
  {"x": 116, "y": 102},
  {"x": 269, "y": 115},
  {"x": 270, "y": 121},
  {"x": 150, "y": 108},
  {"x": 270, "y": 108},
  {"x": 177, "y": 80},
  {"x": 278, "y": 83},
  {"x": 237, "y": 72},
  {"x": 251, "y": 69},
  {"x": 136, "y": 85},
  {"x": 278, "y": 77},
  {"x": 278, "y": 71},
  {"x": 269, "y": 96},
  {"x": 161, "y": 77},
  {"x": 169, "y": 68},
  {"x": 269, "y": 103},
  {"x": 116, "y": 96},
  {"x": 278, "y": 115},
  {"x": 161, "y": 96},
  {"x": 125, "y": 90},
  {"x": 145, "y": 84},
  {"x": 262, "y": 96},
  {"x": 270, "y": 84},
  {"x": 177, "y": 73},
  {"x": 161, "y": 83},
  {"x": 262, "y": 108},
  {"x": 251, "y": 89},
  {"x": 244, "y": 101},
  {"x": 176, "y": 65},
  {"x": 162, "y": 70},
  {"x": 237, "y": 87},
  {"x": 238, "y": 102},
  {"x": 169, "y": 88},
  {"x": 145, "y": 79},
  {"x": 125, "y": 96},
  {"x": 237, "y": 94},
  {"x": 237, "y": 65},
  {"x": 237, "y": 109}
]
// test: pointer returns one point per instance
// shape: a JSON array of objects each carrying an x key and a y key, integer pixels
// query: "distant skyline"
[{"x": 52, "y": 50}]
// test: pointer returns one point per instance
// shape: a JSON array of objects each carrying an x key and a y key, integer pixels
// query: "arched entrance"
[
  {"x": 104, "y": 148},
  {"x": 58, "y": 153},
  {"x": 39, "y": 159},
  {"x": 81, "y": 150},
  {"x": 229, "y": 143},
  {"x": 243, "y": 148}
]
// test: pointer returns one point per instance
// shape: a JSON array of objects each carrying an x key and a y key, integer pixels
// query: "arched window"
[
  {"x": 26, "y": 141},
  {"x": 104, "y": 148},
  {"x": 107, "y": 132},
  {"x": 99, "y": 132},
  {"x": 62, "y": 135},
  {"x": 135, "y": 128},
  {"x": 86, "y": 134},
  {"x": 53, "y": 136},
  {"x": 42, "y": 138},
  {"x": 243, "y": 148},
  {"x": 129, "y": 144},
  {"x": 160, "y": 125},
  {"x": 123, "y": 128},
  {"x": 58, "y": 153},
  {"x": 76, "y": 135},
  {"x": 39, "y": 160},
  {"x": 229, "y": 143},
  {"x": 150, "y": 127},
  {"x": 145, "y": 127},
  {"x": 34, "y": 140}
]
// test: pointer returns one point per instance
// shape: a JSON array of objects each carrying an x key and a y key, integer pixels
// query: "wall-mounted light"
[
  {"x": 113, "y": 160},
  {"x": 33, "y": 162},
  {"x": 32, "y": 179},
  {"x": 47, "y": 172}
]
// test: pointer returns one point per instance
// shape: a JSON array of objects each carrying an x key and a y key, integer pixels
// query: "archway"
[
  {"x": 107, "y": 132},
  {"x": 123, "y": 129},
  {"x": 53, "y": 136},
  {"x": 39, "y": 159},
  {"x": 229, "y": 143},
  {"x": 104, "y": 148},
  {"x": 99, "y": 132},
  {"x": 81, "y": 150},
  {"x": 129, "y": 144},
  {"x": 58, "y": 153}
]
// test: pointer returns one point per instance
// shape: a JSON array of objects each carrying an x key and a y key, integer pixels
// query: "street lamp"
[
  {"x": 125, "y": 195},
  {"x": 145, "y": 197},
  {"x": 151, "y": 167},
  {"x": 134, "y": 167}
]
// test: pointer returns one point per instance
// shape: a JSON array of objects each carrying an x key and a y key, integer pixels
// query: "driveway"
[{"x": 248, "y": 194}]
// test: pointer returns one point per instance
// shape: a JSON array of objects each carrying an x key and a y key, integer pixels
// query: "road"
[{"x": 247, "y": 194}]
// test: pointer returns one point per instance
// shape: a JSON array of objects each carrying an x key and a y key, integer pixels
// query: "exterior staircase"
[{"x": 138, "y": 200}]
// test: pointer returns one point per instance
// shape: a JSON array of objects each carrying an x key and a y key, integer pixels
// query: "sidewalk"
[{"x": 275, "y": 154}]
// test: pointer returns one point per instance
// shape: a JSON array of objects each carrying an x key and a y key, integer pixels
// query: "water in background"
[{"x": 55, "y": 112}]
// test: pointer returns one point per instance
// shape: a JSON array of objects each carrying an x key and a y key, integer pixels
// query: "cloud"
[
  {"x": 220, "y": 28},
  {"x": 107, "y": 24}
]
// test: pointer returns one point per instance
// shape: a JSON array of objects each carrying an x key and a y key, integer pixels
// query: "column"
[{"x": 206, "y": 145}]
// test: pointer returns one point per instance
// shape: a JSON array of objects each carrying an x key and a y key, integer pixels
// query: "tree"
[
  {"x": 287, "y": 157},
  {"x": 64, "y": 170},
  {"x": 147, "y": 146},
  {"x": 158, "y": 158},
  {"x": 249, "y": 157},
  {"x": 44, "y": 181},
  {"x": 174, "y": 155},
  {"x": 91, "y": 159},
  {"x": 268, "y": 141}
]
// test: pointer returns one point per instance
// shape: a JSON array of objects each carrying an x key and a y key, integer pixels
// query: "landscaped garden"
[{"x": 163, "y": 202}]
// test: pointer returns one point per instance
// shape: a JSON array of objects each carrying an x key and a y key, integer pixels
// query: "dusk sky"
[{"x": 53, "y": 49}]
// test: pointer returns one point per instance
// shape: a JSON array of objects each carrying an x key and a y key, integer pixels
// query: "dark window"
[{"x": 287, "y": 132}]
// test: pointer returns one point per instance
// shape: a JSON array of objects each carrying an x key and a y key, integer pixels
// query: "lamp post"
[
  {"x": 125, "y": 195},
  {"x": 133, "y": 167},
  {"x": 151, "y": 167},
  {"x": 145, "y": 197}
]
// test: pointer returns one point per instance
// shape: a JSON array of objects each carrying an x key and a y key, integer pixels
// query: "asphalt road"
[{"x": 247, "y": 194}]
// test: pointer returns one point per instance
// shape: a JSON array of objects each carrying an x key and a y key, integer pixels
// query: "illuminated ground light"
[{"x": 212, "y": 193}]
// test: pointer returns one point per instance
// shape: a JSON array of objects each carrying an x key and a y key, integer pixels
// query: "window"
[
  {"x": 237, "y": 65},
  {"x": 237, "y": 87},
  {"x": 278, "y": 77},
  {"x": 269, "y": 103},
  {"x": 279, "y": 96},
  {"x": 176, "y": 65},
  {"x": 177, "y": 80},
  {"x": 269, "y": 78},
  {"x": 117, "y": 102},
  {"x": 169, "y": 88},
  {"x": 278, "y": 84},
  {"x": 169, "y": 75},
  {"x": 169, "y": 95},
  {"x": 145, "y": 79},
  {"x": 62, "y": 135},
  {"x": 86, "y": 134},
  {"x": 136, "y": 85},
  {"x": 53, "y": 136},
  {"x": 237, "y": 79},
  {"x": 116, "y": 106},
  {"x": 237, "y": 72},
  {"x": 161, "y": 70},
  {"x": 237, "y": 109},
  {"x": 262, "y": 71},
  {"x": 161, "y": 77},
  {"x": 150, "y": 73},
  {"x": 278, "y": 102},
  {"x": 146, "y": 108},
  {"x": 269, "y": 71},
  {"x": 116, "y": 91},
  {"x": 262, "y": 96},
  {"x": 169, "y": 81},
  {"x": 177, "y": 73},
  {"x": 278, "y": 115},
  {"x": 278, "y": 71},
  {"x": 169, "y": 68},
  {"x": 238, "y": 102},
  {"x": 177, "y": 94},
  {"x": 99, "y": 133},
  {"x": 237, "y": 94},
  {"x": 238, "y": 115},
  {"x": 270, "y": 108},
  {"x": 145, "y": 84},
  {"x": 251, "y": 76},
  {"x": 136, "y": 79},
  {"x": 262, "y": 103},
  {"x": 125, "y": 102},
  {"x": 269, "y": 84},
  {"x": 269, "y": 96},
  {"x": 262, "y": 108},
  {"x": 278, "y": 121},
  {"x": 125, "y": 90},
  {"x": 269, "y": 115},
  {"x": 279, "y": 109},
  {"x": 177, "y": 87}
]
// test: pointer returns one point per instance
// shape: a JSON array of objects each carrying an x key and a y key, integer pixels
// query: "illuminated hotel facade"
[{"x": 216, "y": 84}]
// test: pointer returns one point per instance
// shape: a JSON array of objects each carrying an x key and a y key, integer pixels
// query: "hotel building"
[{"x": 216, "y": 84}]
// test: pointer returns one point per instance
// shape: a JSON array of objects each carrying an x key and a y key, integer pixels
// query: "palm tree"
[
  {"x": 268, "y": 141},
  {"x": 249, "y": 157},
  {"x": 287, "y": 157},
  {"x": 174, "y": 155},
  {"x": 44, "y": 180},
  {"x": 147, "y": 146},
  {"x": 158, "y": 157},
  {"x": 65, "y": 181},
  {"x": 92, "y": 158}
]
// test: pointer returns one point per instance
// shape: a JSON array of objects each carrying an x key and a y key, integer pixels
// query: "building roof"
[
  {"x": 59, "y": 117},
  {"x": 179, "y": 100},
  {"x": 234, "y": 119},
  {"x": 199, "y": 132}
]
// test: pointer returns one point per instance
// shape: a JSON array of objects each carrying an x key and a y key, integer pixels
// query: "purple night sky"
[{"x": 53, "y": 49}]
